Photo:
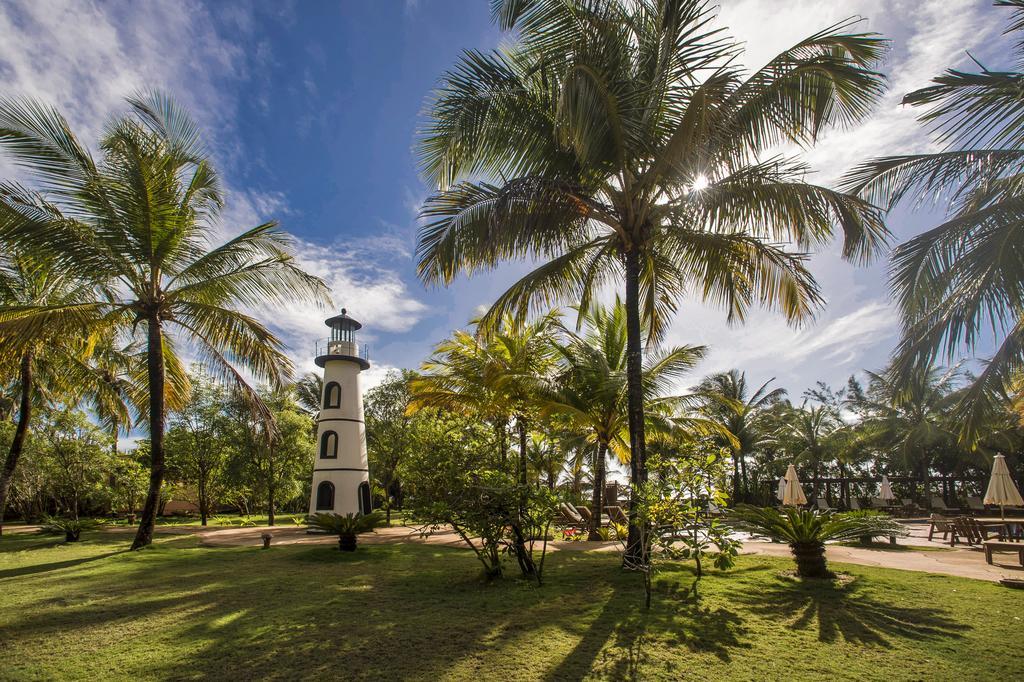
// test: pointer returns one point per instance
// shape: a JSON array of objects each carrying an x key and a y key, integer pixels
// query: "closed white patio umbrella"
[
  {"x": 781, "y": 492},
  {"x": 885, "y": 490},
  {"x": 793, "y": 494},
  {"x": 1001, "y": 489}
]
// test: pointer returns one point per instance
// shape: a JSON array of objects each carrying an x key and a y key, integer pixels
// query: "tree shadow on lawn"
[
  {"x": 32, "y": 569},
  {"x": 382, "y": 612},
  {"x": 677, "y": 617},
  {"x": 849, "y": 612}
]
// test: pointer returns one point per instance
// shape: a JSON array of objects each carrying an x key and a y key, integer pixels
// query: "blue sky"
[{"x": 311, "y": 110}]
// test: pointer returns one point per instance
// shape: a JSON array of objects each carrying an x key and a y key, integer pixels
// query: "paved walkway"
[{"x": 933, "y": 557}]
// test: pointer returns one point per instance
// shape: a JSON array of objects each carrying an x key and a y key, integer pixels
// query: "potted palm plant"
[
  {"x": 806, "y": 532},
  {"x": 346, "y": 527}
]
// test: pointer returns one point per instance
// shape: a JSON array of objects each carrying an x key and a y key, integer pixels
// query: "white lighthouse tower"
[{"x": 341, "y": 478}]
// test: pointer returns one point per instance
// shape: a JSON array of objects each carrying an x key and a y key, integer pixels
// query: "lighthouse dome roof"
[{"x": 343, "y": 321}]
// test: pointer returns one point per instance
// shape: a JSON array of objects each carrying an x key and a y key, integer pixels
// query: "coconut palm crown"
[
  {"x": 958, "y": 281},
  {"x": 726, "y": 399},
  {"x": 140, "y": 222},
  {"x": 49, "y": 366},
  {"x": 589, "y": 389},
  {"x": 620, "y": 142}
]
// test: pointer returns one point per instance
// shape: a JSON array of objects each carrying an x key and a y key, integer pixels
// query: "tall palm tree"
[
  {"x": 309, "y": 391},
  {"x": 963, "y": 276},
  {"x": 726, "y": 400},
  {"x": 545, "y": 458},
  {"x": 119, "y": 367},
  {"x": 590, "y": 389},
  {"x": 809, "y": 436},
  {"x": 910, "y": 417},
  {"x": 452, "y": 379},
  {"x": 140, "y": 222},
  {"x": 626, "y": 145},
  {"x": 494, "y": 375},
  {"x": 49, "y": 362}
]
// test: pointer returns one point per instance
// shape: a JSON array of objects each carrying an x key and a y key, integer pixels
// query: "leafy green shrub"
[
  {"x": 346, "y": 527},
  {"x": 869, "y": 514},
  {"x": 806, "y": 532},
  {"x": 71, "y": 528},
  {"x": 613, "y": 531}
]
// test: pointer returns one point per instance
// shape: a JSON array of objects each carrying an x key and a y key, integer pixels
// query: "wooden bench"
[{"x": 1001, "y": 546}]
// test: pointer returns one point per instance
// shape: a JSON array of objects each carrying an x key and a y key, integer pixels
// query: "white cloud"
[
  {"x": 927, "y": 37},
  {"x": 84, "y": 58}
]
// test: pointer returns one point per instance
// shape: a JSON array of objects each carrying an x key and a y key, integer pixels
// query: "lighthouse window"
[
  {"x": 332, "y": 396},
  {"x": 325, "y": 496},
  {"x": 364, "y": 498},
  {"x": 329, "y": 445}
]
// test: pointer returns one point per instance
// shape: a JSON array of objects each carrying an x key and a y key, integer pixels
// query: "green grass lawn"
[{"x": 93, "y": 610}]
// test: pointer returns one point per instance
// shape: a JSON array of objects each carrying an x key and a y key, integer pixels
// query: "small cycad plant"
[
  {"x": 346, "y": 526},
  {"x": 806, "y": 532},
  {"x": 71, "y": 528}
]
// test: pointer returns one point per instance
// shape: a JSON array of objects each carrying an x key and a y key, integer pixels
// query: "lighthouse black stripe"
[
  {"x": 341, "y": 419},
  {"x": 341, "y": 469}
]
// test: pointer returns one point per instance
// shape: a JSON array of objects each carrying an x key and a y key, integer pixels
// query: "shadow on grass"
[
  {"x": 382, "y": 612},
  {"x": 850, "y": 612},
  {"x": 54, "y": 565},
  {"x": 677, "y": 617}
]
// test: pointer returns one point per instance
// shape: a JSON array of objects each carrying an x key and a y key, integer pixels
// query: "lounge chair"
[
  {"x": 855, "y": 504},
  {"x": 909, "y": 506},
  {"x": 617, "y": 515},
  {"x": 939, "y": 505},
  {"x": 974, "y": 533},
  {"x": 822, "y": 505},
  {"x": 568, "y": 516},
  {"x": 975, "y": 504},
  {"x": 944, "y": 525},
  {"x": 585, "y": 514}
]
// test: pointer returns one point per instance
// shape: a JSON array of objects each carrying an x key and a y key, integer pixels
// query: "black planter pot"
[
  {"x": 347, "y": 543},
  {"x": 72, "y": 535}
]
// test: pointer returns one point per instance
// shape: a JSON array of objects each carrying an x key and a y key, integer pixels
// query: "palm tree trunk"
[
  {"x": 204, "y": 504},
  {"x": 635, "y": 552},
  {"x": 736, "y": 477},
  {"x": 599, "y": 474},
  {"x": 925, "y": 483},
  {"x": 743, "y": 477},
  {"x": 155, "y": 370},
  {"x": 271, "y": 486},
  {"x": 521, "y": 426},
  {"x": 20, "y": 432},
  {"x": 502, "y": 433},
  {"x": 526, "y": 564}
]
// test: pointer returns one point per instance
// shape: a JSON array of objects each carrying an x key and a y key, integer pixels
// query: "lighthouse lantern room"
[{"x": 341, "y": 478}]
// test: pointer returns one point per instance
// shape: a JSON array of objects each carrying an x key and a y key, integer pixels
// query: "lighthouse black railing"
[{"x": 329, "y": 346}]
